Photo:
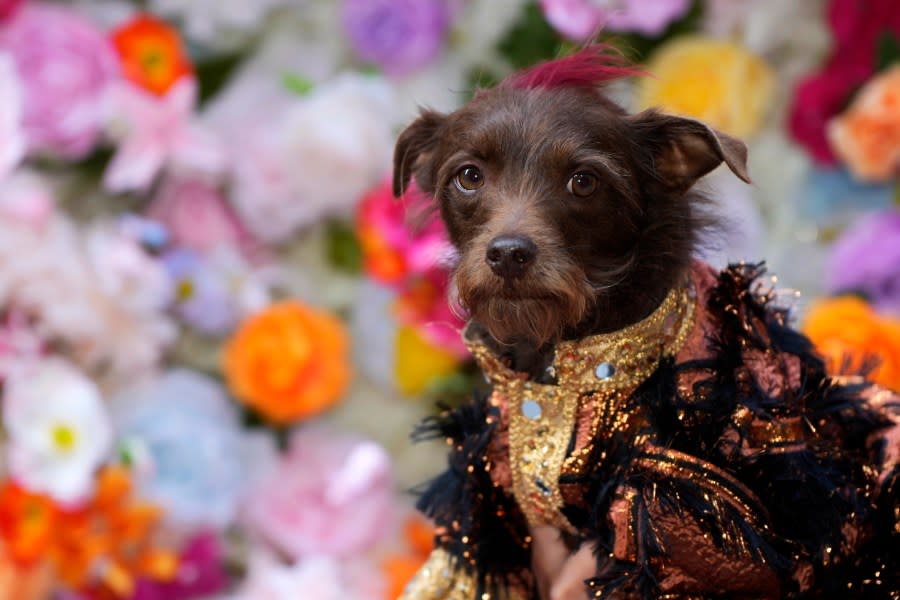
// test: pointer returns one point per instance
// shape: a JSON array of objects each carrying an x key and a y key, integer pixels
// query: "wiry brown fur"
[{"x": 602, "y": 261}]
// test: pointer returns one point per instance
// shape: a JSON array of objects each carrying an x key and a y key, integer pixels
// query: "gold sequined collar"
[{"x": 609, "y": 361}]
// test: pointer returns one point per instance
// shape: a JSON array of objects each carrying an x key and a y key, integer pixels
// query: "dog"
[{"x": 653, "y": 428}]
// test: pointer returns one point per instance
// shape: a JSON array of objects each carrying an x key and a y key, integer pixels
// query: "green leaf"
[
  {"x": 297, "y": 84},
  {"x": 213, "y": 73},
  {"x": 888, "y": 50},
  {"x": 342, "y": 247}
]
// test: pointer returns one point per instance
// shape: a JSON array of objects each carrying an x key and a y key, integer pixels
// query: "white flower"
[
  {"x": 12, "y": 137},
  {"x": 217, "y": 23},
  {"x": 315, "y": 158},
  {"x": 321, "y": 578},
  {"x": 59, "y": 432}
]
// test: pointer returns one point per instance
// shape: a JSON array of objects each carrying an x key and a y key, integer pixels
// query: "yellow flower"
[
  {"x": 288, "y": 362},
  {"x": 418, "y": 363},
  {"x": 715, "y": 81}
]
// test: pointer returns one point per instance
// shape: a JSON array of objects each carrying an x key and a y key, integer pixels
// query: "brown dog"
[{"x": 577, "y": 221}]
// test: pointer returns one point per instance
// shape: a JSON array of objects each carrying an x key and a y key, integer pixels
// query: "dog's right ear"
[{"x": 413, "y": 149}]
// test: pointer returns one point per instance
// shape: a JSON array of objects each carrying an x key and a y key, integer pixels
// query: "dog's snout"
[{"x": 509, "y": 256}]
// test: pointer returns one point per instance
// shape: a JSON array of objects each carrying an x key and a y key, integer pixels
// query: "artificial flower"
[
  {"x": 201, "y": 573},
  {"x": 214, "y": 291},
  {"x": 94, "y": 292},
  {"x": 28, "y": 524},
  {"x": 288, "y": 362},
  {"x": 394, "y": 248},
  {"x": 8, "y": 8},
  {"x": 401, "y": 567},
  {"x": 320, "y": 577},
  {"x": 59, "y": 431},
  {"x": 424, "y": 304},
  {"x": 191, "y": 455},
  {"x": 155, "y": 132},
  {"x": 219, "y": 24},
  {"x": 26, "y": 199},
  {"x": 418, "y": 363},
  {"x": 196, "y": 215},
  {"x": 857, "y": 28},
  {"x": 866, "y": 259},
  {"x": 24, "y": 583},
  {"x": 716, "y": 81},
  {"x": 152, "y": 54},
  {"x": 105, "y": 547},
  {"x": 19, "y": 342},
  {"x": 329, "y": 495},
  {"x": 63, "y": 116},
  {"x": 12, "y": 137},
  {"x": 399, "y": 36},
  {"x": 867, "y": 135},
  {"x": 853, "y": 337},
  {"x": 314, "y": 159},
  {"x": 582, "y": 19}
]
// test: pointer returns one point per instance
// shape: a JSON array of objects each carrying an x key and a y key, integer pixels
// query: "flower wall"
[{"x": 217, "y": 326}]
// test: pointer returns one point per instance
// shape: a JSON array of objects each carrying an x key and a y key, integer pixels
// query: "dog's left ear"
[
  {"x": 684, "y": 150},
  {"x": 413, "y": 148}
]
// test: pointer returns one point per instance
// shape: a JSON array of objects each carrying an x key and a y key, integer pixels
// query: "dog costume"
[{"x": 704, "y": 451}]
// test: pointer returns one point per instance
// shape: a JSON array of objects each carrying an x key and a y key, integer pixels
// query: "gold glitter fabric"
[
  {"x": 443, "y": 578},
  {"x": 542, "y": 417}
]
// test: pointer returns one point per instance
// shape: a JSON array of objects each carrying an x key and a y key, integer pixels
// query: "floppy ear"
[
  {"x": 684, "y": 150},
  {"x": 412, "y": 150}
]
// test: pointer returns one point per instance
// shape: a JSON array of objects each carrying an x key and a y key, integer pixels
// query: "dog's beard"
[{"x": 553, "y": 296}]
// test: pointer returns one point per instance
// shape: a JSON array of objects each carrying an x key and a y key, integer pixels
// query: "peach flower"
[
  {"x": 867, "y": 135},
  {"x": 288, "y": 362}
]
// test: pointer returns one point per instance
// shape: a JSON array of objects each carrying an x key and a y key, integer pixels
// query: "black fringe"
[{"x": 464, "y": 501}]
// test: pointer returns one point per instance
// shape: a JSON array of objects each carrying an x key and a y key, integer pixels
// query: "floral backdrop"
[{"x": 218, "y": 329}]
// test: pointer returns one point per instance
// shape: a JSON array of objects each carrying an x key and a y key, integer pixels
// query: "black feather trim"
[{"x": 482, "y": 526}]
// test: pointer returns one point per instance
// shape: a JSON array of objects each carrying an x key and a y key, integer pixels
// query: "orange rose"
[
  {"x": 867, "y": 135},
  {"x": 849, "y": 334},
  {"x": 400, "y": 568},
  {"x": 288, "y": 362}
]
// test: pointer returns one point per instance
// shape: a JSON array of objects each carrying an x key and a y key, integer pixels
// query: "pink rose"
[
  {"x": 12, "y": 138},
  {"x": 330, "y": 495},
  {"x": 582, "y": 19},
  {"x": 65, "y": 64},
  {"x": 196, "y": 215}
]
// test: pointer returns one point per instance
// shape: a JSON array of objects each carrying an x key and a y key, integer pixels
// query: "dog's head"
[{"x": 558, "y": 201}]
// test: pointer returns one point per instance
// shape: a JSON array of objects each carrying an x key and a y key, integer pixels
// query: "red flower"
[
  {"x": 857, "y": 26},
  {"x": 152, "y": 54}
]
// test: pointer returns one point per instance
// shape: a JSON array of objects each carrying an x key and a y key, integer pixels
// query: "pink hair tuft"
[{"x": 588, "y": 68}]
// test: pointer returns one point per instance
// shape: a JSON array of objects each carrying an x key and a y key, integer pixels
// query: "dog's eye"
[
  {"x": 469, "y": 179},
  {"x": 582, "y": 184}
]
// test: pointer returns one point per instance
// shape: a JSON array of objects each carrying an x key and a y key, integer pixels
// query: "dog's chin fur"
[{"x": 538, "y": 309}]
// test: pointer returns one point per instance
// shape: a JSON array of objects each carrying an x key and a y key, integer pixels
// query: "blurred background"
[{"x": 217, "y": 330}]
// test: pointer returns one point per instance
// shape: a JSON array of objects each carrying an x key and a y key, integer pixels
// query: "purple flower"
[
  {"x": 582, "y": 19},
  {"x": 65, "y": 64},
  {"x": 866, "y": 259},
  {"x": 397, "y": 35}
]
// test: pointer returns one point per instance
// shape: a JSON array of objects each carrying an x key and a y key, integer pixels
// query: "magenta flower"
[
  {"x": 582, "y": 19},
  {"x": 12, "y": 137},
  {"x": 866, "y": 259},
  {"x": 397, "y": 35},
  {"x": 65, "y": 64},
  {"x": 330, "y": 495},
  {"x": 201, "y": 573},
  {"x": 158, "y": 132}
]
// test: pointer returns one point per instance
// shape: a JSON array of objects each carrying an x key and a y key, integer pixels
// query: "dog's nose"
[{"x": 509, "y": 256}]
